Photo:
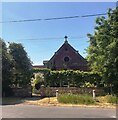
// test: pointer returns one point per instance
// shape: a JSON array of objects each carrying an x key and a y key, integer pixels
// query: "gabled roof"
[{"x": 66, "y": 44}]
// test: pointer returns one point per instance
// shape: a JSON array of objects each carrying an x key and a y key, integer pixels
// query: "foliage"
[
  {"x": 88, "y": 84},
  {"x": 103, "y": 48},
  {"x": 39, "y": 80},
  {"x": 69, "y": 78},
  {"x": 22, "y": 67},
  {"x": 75, "y": 99},
  {"x": 6, "y": 70},
  {"x": 41, "y": 70},
  {"x": 16, "y": 67},
  {"x": 72, "y": 78},
  {"x": 86, "y": 99}
]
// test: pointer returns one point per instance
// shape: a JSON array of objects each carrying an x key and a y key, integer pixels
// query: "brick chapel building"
[{"x": 66, "y": 58}]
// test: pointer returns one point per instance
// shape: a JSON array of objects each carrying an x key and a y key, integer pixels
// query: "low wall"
[
  {"x": 52, "y": 90},
  {"x": 22, "y": 92}
]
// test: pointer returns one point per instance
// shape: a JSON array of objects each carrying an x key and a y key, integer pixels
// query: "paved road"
[{"x": 33, "y": 111}]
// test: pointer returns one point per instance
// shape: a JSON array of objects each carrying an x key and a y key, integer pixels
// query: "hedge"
[{"x": 74, "y": 78}]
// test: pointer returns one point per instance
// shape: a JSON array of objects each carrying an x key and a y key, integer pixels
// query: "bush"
[
  {"x": 75, "y": 99},
  {"x": 73, "y": 78},
  {"x": 111, "y": 99},
  {"x": 39, "y": 80}
]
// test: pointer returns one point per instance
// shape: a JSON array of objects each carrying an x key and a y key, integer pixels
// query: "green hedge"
[
  {"x": 72, "y": 78},
  {"x": 42, "y": 70}
]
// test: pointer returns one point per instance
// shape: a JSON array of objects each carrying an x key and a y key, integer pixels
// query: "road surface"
[{"x": 33, "y": 111}]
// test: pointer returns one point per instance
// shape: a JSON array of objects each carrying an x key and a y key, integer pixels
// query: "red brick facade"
[{"x": 67, "y": 58}]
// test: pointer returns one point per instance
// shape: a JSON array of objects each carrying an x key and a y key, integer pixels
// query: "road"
[{"x": 33, "y": 111}]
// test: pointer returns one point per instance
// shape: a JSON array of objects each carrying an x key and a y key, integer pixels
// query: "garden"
[{"x": 74, "y": 87}]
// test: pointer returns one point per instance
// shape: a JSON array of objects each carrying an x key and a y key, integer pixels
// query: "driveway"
[{"x": 33, "y": 111}]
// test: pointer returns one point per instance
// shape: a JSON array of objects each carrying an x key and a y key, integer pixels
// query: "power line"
[
  {"x": 52, "y": 38},
  {"x": 55, "y": 18}
]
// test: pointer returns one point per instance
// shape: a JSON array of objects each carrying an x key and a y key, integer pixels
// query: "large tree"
[
  {"x": 103, "y": 48},
  {"x": 22, "y": 67},
  {"x": 6, "y": 69}
]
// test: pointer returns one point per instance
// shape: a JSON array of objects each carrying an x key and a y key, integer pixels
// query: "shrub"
[
  {"x": 39, "y": 80},
  {"x": 111, "y": 99},
  {"x": 75, "y": 99},
  {"x": 71, "y": 78}
]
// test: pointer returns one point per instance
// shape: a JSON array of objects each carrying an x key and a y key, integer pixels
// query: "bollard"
[
  {"x": 93, "y": 94},
  {"x": 56, "y": 93}
]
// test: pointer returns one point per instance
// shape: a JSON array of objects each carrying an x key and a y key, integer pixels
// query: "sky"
[{"x": 41, "y": 39}]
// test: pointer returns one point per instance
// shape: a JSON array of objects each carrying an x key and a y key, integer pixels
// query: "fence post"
[
  {"x": 93, "y": 94},
  {"x": 56, "y": 93}
]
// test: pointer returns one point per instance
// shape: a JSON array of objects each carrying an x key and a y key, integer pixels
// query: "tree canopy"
[
  {"x": 103, "y": 48},
  {"x": 6, "y": 69},
  {"x": 21, "y": 64},
  {"x": 16, "y": 67}
]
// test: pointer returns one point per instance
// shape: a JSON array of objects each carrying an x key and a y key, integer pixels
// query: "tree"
[
  {"x": 103, "y": 48},
  {"x": 22, "y": 67},
  {"x": 6, "y": 70},
  {"x": 39, "y": 80}
]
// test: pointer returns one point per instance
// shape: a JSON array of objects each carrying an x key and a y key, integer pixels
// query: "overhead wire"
[
  {"x": 54, "y": 18},
  {"x": 48, "y": 19},
  {"x": 51, "y": 38}
]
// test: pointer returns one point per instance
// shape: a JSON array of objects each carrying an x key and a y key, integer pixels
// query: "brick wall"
[
  {"x": 22, "y": 92},
  {"x": 52, "y": 90},
  {"x": 75, "y": 62}
]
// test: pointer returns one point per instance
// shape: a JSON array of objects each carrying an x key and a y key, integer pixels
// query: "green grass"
[{"x": 75, "y": 99}]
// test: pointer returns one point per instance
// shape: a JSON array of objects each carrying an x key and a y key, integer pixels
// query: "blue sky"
[{"x": 44, "y": 47}]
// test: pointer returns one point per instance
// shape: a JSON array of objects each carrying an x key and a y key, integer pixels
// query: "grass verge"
[
  {"x": 76, "y": 99},
  {"x": 107, "y": 99}
]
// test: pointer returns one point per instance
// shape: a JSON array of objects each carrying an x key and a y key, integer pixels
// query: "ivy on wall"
[{"x": 70, "y": 78}]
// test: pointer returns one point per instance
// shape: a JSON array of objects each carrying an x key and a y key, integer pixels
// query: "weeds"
[
  {"x": 111, "y": 99},
  {"x": 75, "y": 99}
]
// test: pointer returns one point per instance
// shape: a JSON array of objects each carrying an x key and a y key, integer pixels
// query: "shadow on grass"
[
  {"x": 18, "y": 100},
  {"x": 11, "y": 100}
]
